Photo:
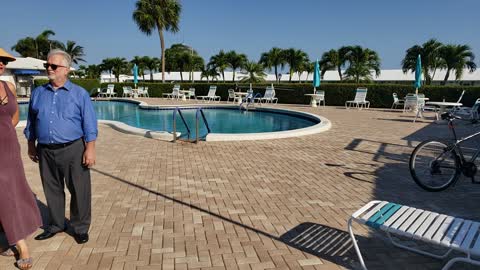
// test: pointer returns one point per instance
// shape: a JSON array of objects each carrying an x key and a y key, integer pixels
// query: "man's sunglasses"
[
  {"x": 4, "y": 61},
  {"x": 53, "y": 66}
]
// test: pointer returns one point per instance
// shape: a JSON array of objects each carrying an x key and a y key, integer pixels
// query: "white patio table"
[{"x": 313, "y": 102}]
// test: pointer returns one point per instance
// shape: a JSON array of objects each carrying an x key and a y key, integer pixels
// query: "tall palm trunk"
[
  {"x": 276, "y": 74},
  {"x": 233, "y": 75},
  {"x": 162, "y": 45},
  {"x": 223, "y": 75},
  {"x": 446, "y": 76}
]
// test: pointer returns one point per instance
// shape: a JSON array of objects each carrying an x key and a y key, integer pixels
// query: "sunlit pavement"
[{"x": 280, "y": 204}]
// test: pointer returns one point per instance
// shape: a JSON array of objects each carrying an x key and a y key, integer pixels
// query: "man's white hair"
[{"x": 66, "y": 56}]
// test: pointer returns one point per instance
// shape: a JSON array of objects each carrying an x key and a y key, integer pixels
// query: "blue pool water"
[{"x": 220, "y": 120}]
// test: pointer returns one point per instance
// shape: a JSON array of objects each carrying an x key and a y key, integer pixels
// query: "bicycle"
[{"x": 435, "y": 165}]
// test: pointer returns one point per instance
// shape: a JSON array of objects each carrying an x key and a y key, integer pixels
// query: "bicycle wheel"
[{"x": 433, "y": 167}]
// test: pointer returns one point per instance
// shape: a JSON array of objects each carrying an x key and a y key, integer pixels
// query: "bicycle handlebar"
[{"x": 449, "y": 116}]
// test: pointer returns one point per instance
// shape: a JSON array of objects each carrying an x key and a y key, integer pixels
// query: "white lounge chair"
[
  {"x": 397, "y": 101},
  {"x": 439, "y": 230},
  {"x": 175, "y": 94},
  {"x": 269, "y": 96},
  {"x": 470, "y": 112},
  {"x": 211, "y": 94},
  {"x": 359, "y": 100}
]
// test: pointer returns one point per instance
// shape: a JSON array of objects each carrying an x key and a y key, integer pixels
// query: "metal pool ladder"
[{"x": 198, "y": 113}]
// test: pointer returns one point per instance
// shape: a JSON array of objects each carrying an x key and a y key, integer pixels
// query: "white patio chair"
[
  {"x": 191, "y": 93},
  {"x": 360, "y": 99},
  {"x": 319, "y": 97},
  {"x": 111, "y": 91},
  {"x": 397, "y": 101},
  {"x": 231, "y": 95},
  {"x": 174, "y": 94},
  {"x": 127, "y": 91},
  {"x": 211, "y": 94}
]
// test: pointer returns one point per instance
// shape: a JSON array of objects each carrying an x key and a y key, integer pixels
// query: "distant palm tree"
[
  {"x": 456, "y": 57},
  {"x": 333, "y": 60},
  {"x": 255, "y": 72},
  {"x": 182, "y": 58},
  {"x": 430, "y": 55},
  {"x": 152, "y": 64},
  {"x": 75, "y": 51},
  {"x": 273, "y": 58},
  {"x": 120, "y": 65},
  {"x": 209, "y": 72},
  {"x": 140, "y": 62},
  {"x": 296, "y": 59},
  {"x": 37, "y": 47},
  {"x": 219, "y": 62},
  {"x": 236, "y": 61},
  {"x": 90, "y": 71},
  {"x": 160, "y": 15},
  {"x": 361, "y": 61},
  {"x": 107, "y": 65}
]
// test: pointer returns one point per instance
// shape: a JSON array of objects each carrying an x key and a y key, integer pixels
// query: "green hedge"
[
  {"x": 379, "y": 95},
  {"x": 90, "y": 85}
]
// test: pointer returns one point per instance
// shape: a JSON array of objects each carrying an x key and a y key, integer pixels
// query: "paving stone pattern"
[{"x": 272, "y": 204}]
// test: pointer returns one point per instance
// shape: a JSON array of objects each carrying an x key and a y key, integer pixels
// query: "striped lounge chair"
[{"x": 416, "y": 224}]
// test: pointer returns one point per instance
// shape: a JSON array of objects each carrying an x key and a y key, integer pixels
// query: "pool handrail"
[{"x": 175, "y": 123}]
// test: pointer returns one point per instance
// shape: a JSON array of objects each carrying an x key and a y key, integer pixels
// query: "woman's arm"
[{"x": 16, "y": 115}]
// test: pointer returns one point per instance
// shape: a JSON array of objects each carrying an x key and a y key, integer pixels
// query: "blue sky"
[{"x": 105, "y": 27}]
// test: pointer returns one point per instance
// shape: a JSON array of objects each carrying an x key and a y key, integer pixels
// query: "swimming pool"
[{"x": 221, "y": 119}]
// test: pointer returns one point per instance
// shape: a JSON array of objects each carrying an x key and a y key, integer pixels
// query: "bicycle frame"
[{"x": 455, "y": 146}]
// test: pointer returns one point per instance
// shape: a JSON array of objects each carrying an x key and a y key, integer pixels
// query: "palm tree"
[
  {"x": 75, "y": 51},
  {"x": 107, "y": 65},
  {"x": 37, "y": 47},
  {"x": 255, "y": 72},
  {"x": 119, "y": 66},
  {"x": 235, "y": 61},
  {"x": 456, "y": 57},
  {"x": 361, "y": 61},
  {"x": 273, "y": 58},
  {"x": 333, "y": 59},
  {"x": 141, "y": 63},
  {"x": 207, "y": 72},
  {"x": 152, "y": 64},
  {"x": 160, "y": 15},
  {"x": 295, "y": 59},
  {"x": 430, "y": 54},
  {"x": 219, "y": 62},
  {"x": 183, "y": 58},
  {"x": 90, "y": 71}
]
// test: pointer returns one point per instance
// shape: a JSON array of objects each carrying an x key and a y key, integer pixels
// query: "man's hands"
[
  {"x": 32, "y": 151},
  {"x": 89, "y": 154}
]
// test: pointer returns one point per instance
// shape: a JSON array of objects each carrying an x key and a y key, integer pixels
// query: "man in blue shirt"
[{"x": 61, "y": 132}]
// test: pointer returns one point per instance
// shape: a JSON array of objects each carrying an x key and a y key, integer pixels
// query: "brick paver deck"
[{"x": 273, "y": 204}]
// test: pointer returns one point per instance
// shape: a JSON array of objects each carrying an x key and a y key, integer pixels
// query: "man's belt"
[{"x": 54, "y": 146}]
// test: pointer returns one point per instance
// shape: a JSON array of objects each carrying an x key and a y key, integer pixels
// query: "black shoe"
[
  {"x": 81, "y": 238},
  {"x": 45, "y": 235}
]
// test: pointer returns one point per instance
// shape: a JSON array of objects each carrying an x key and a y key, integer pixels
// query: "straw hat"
[{"x": 5, "y": 55}]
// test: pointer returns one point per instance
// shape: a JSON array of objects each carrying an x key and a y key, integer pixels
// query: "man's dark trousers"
[{"x": 61, "y": 164}]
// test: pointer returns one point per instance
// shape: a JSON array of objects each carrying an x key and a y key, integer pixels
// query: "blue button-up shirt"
[{"x": 61, "y": 116}]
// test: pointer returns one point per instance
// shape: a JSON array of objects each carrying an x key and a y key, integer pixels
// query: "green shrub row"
[{"x": 379, "y": 95}]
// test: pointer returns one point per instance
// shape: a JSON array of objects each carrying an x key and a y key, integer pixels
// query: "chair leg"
[
  {"x": 355, "y": 244},
  {"x": 460, "y": 259}
]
